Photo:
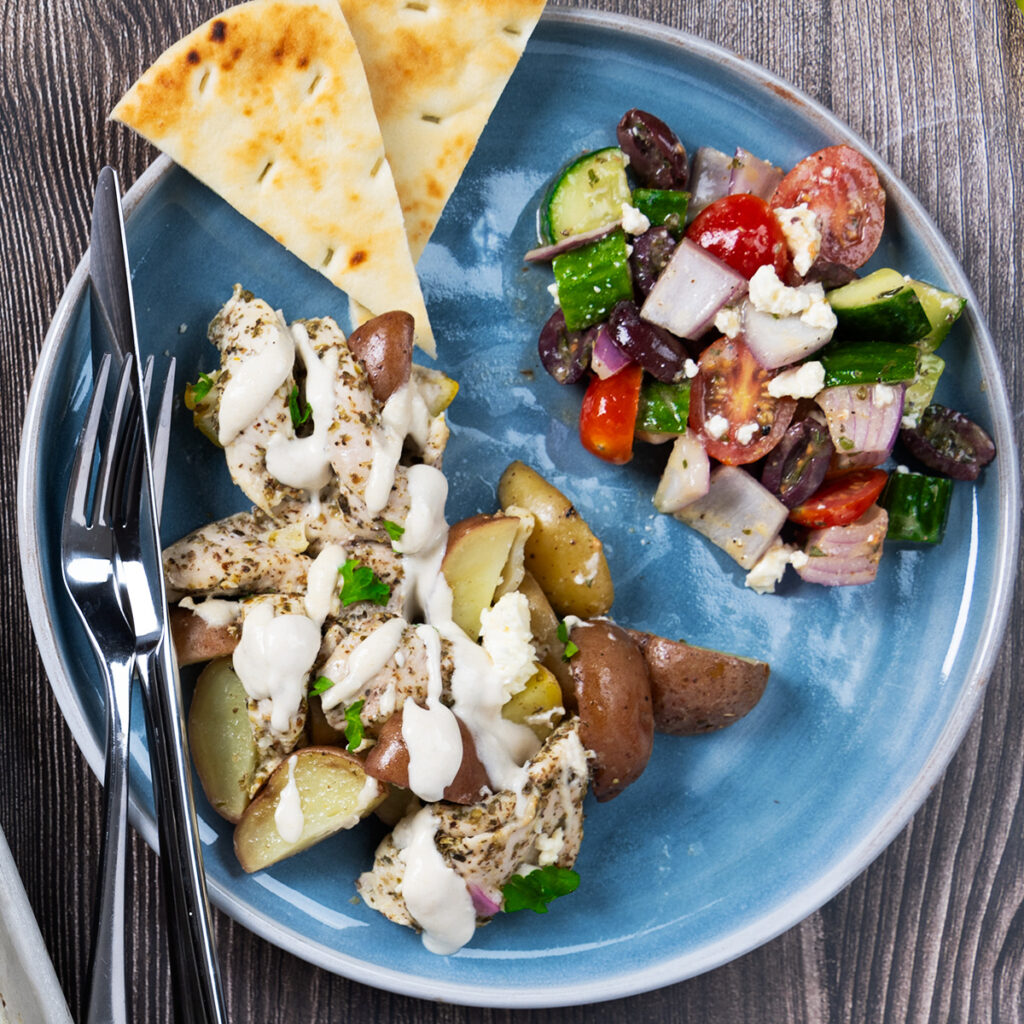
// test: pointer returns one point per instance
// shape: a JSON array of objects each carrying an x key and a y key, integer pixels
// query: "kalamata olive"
[
  {"x": 651, "y": 252},
  {"x": 831, "y": 275},
  {"x": 795, "y": 468},
  {"x": 661, "y": 354},
  {"x": 564, "y": 353},
  {"x": 948, "y": 442},
  {"x": 656, "y": 156}
]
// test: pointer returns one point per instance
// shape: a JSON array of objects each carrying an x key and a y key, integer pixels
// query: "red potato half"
[
  {"x": 696, "y": 689},
  {"x": 196, "y": 641},
  {"x": 384, "y": 346},
  {"x": 388, "y": 761},
  {"x": 613, "y": 698}
]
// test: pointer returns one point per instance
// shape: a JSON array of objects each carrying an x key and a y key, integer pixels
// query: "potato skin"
[
  {"x": 388, "y": 761},
  {"x": 695, "y": 689},
  {"x": 384, "y": 346},
  {"x": 562, "y": 553},
  {"x": 196, "y": 641},
  {"x": 613, "y": 701}
]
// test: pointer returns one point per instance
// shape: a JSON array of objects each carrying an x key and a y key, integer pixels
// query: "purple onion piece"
[
  {"x": 753, "y": 175},
  {"x": 948, "y": 442},
  {"x": 795, "y": 468},
  {"x": 858, "y": 460},
  {"x": 652, "y": 347},
  {"x": 546, "y": 253},
  {"x": 607, "y": 358},
  {"x": 843, "y": 556},
  {"x": 657, "y": 158},
  {"x": 778, "y": 341},
  {"x": 651, "y": 253},
  {"x": 691, "y": 290},
  {"x": 482, "y": 903},
  {"x": 711, "y": 176},
  {"x": 863, "y": 417},
  {"x": 564, "y": 354}
]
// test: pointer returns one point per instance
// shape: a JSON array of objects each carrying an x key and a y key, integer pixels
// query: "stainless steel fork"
[{"x": 87, "y": 557}]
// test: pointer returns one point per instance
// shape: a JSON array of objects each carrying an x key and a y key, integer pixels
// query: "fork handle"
[
  {"x": 106, "y": 1002},
  {"x": 195, "y": 973}
]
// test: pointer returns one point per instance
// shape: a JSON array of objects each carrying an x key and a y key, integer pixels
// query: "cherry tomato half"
[
  {"x": 841, "y": 500},
  {"x": 841, "y": 187},
  {"x": 608, "y": 414},
  {"x": 741, "y": 231},
  {"x": 730, "y": 407}
]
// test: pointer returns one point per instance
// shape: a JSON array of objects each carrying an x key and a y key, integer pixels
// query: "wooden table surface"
[{"x": 934, "y": 929}]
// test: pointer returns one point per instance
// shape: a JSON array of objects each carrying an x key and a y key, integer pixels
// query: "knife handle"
[{"x": 195, "y": 972}]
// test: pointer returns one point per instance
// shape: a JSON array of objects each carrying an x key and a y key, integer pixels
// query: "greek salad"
[{"x": 718, "y": 306}]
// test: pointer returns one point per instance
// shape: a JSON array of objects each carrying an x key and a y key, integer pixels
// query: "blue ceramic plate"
[{"x": 727, "y": 839}]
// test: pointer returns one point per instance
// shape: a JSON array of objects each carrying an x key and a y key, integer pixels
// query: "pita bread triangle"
[
  {"x": 268, "y": 105},
  {"x": 436, "y": 69}
]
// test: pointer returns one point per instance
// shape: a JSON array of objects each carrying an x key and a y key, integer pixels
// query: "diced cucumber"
[
  {"x": 663, "y": 207},
  {"x": 664, "y": 408},
  {"x": 588, "y": 194},
  {"x": 592, "y": 279},
  {"x": 880, "y": 307},
  {"x": 921, "y": 389},
  {"x": 868, "y": 362},
  {"x": 941, "y": 308},
  {"x": 918, "y": 506}
]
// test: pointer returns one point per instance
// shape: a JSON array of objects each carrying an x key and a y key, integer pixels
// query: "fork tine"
[
  {"x": 162, "y": 438},
  {"x": 112, "y": 466},
  {"x": 76, "y": 506}
]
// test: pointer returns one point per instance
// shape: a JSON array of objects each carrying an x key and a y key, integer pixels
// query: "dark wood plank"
[{"x": 933, "y": 930}]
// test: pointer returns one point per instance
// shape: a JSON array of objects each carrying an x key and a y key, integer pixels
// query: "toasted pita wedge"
[
  {"x": 269, "y": 106},
  {"x": 436, "y": 69}
]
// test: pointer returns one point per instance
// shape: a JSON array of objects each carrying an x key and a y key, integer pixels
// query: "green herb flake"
[
  {"x": 394, "y": 531},
  {"x": 537, "y": 889},
  {"x": 201, "y": 388},
  {"x": 815, "y": 552},
  {"x": 321, "y": 686},
  {"x": 563, "y": 634},
  {"x": 361, "y": 583},
  {"x": 354, "y": 725},
  {"x": 298, "y": 417}
]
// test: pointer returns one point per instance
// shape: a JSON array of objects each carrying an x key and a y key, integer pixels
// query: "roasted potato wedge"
[
  {"x": 384, "y": 346},
  {"x": 334, "y": 794},
  {"x": 613, "y": 701},
  {"x": 562, "y": 553},
  {"x": 196, "y": 641},
  {"x": 696, "y": 689},
  {"x": 538, "y": 705},
  {"x": 220, "y": 737}
]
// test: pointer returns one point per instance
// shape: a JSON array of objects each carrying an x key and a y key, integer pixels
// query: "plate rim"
[{"x": 801, "y": 904}]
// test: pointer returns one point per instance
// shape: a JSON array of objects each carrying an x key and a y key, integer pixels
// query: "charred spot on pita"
[
  {"x": 359, "y": 256},
  {"x": 193, "y": 57},
  {"x": 218, "y": 31}
]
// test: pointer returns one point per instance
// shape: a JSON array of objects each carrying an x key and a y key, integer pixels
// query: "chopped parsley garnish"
[
  {"x": 563, "y": 634},
  {"x": 361, "y": 583},
  {"x": 201, "y": 388},
  {"x": 298, "y": 418},
  {"x": 394, "y": 531},
  {"x": 354, "y": 725},
  {"x": 322, "y": 685},
  {"x": 537, "y": 889}
]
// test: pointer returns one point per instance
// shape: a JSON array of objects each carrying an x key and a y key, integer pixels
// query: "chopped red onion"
[
  {"x": 692, "y": 288},
  {"x": 482, "y": 903},
  {"x": 546, "y": 253},
  {"x": 778, "y": 341},
  {"x": 863, "y": 417},
  {"x": 842, "y": 463},
  {"x": 738, "y": 514},
  {"x": 687, "y": 474},
  {"x": 754, "y": 175},
  {"x": 710, "y": 177},
  {"x": 607, "y": 358},
  {"x": 843, "y": 556}
]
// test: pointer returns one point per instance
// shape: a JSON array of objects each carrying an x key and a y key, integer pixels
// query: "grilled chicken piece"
[{"x": 488, "y": 842}]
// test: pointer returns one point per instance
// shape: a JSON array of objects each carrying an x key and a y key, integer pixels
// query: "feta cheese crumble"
[
  {"x": 803, "y": 381},
  {"x": 717, "y": 426},
  {"x": 633, "y": 221},
  {"x": 803, "y": 239},
  {"x": 772, "y": 567},
  {"x": 769, "y": 295},
  {"x": 745, "y": 434},
  {"x": 690, "y": 369},
  {"x": 728, "y": 321}
]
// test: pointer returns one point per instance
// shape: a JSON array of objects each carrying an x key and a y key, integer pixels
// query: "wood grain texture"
[{"x": 933, "y": 931}]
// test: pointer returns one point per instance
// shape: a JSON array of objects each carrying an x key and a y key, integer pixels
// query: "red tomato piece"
[
  {"x": 608, "y": 414},
  {"x": 842, "y": 188},
  {"x": 841, "y": 500},
  {"x": 730, "y": 407},
  {"x": 741, "y": 231}
]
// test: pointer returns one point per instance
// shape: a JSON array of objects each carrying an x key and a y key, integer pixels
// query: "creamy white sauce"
[
  {"x": 214, "y": 611},
  {"x": 288, "y": 817},
  {"x": 425, "y": 525},
  {"x": 369, "y": 656},
  {"x": 405, "y": 414},
  {"x": 435, "y": 895},
  {"x": 273, "y": 659},
  {"x": 254, "y": 379},
  {"x": 322, "y": 582}
]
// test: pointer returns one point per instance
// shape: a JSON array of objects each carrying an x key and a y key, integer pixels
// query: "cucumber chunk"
[
  {"x": 918, "y": 506},
  {"x": 588, "y": 194},
  {"x": 941, "y": 308},
  {"x": 921, "y": 389},
  {"x": 664, "y": 408},
  {"x": 663, "y": 207},
  {"x": 883, "y": 306},
  {"x": 869, "y": 362},
  {"x": 592, "y": 279}
]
